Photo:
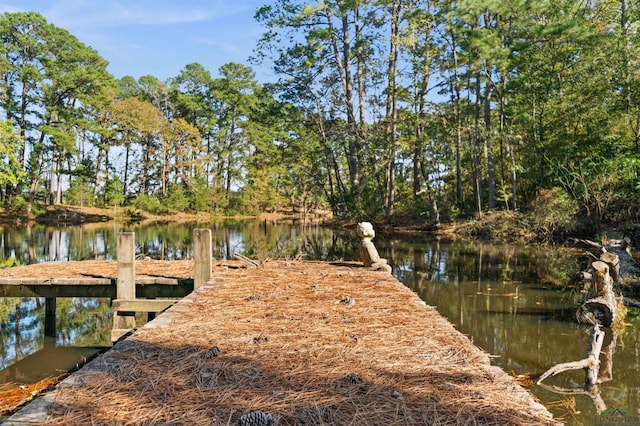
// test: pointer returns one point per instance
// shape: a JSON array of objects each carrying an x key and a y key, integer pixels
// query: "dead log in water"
[
  {"x": 591, "y": 363},
  {"x": 626, "y": 268},
  {"x": 596, "y": 372},
  {"x": 612, "y": 265},
  {"x": 599, "y": 306}
]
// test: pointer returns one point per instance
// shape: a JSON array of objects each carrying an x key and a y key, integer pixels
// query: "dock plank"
[
  {"x": 299, "y": 340},
  {"x": 95, "y": 278}
]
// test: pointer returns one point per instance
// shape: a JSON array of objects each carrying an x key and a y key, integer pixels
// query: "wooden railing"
[{"x": 125, "y": 305}]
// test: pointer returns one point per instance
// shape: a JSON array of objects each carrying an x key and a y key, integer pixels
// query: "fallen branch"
[
  {"x": 245, "y": 259},
  {"x": 591, "y": 362}
]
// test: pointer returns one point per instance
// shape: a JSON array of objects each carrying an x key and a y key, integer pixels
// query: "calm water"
[{"x": 514, "y": 302}]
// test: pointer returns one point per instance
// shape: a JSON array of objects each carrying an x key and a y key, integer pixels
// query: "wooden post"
[
  {"x": 126, "y": 283},
  {"x": 50, "y": 317},
  {"x": 202, "y": 257}
]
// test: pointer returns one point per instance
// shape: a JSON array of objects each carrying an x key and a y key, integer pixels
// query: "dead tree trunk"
[
  {"x": 591, "y": 363},
  {"x": 600, "y": 304},
  {"x": 612, "y": 265}
]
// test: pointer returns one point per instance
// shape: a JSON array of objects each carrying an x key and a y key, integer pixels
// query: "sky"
[{"x": 157, "y": 37}]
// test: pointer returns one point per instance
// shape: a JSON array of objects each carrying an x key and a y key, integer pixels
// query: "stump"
[
  {"x": 613, "y": 260},
  {"x": 600, "y": 303}
]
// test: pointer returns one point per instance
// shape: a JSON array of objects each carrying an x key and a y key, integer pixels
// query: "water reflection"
[
  {"x": 257, "y": 239},
  {"x": 510, "y": 300}
]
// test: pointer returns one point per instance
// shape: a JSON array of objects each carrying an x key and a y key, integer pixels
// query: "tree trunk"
[
  {"x": 52, "y": 178},
  {"x": 600, "y": 304},
  {"x": 488, "y": 147},
  {"x": 392, "y": 114},
  {"x": 455, "y": 98},
  {"x": 126, "y": 171},
  {"x": 342, "y": 62}
]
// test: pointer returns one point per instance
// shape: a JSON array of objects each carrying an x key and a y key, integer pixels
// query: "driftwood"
[
  {"x": 250, "y": 262},
  {"x": 623, "y": 270},
  {"x": 599, "y": 306},
  {"x": 591, "y": 363},
  {"x": 595, "y": 375},
  {"x": 612, "y": 264},
  {"x": 627, "y": 268}
]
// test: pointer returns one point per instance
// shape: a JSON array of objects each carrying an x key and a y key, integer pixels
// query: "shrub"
[
  {"x": 553, "y": 212},
  {"x": 150, "y": 204},
  {"x": 17, "y": 206}
]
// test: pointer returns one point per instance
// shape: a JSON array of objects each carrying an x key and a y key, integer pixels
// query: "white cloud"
[{"x": 90, "y": 14}]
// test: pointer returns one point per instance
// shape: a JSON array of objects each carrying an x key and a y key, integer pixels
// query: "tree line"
[{"x": 425, "y": 109}]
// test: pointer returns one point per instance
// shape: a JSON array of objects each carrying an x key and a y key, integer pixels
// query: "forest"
[{"x": 427, "y": 110}]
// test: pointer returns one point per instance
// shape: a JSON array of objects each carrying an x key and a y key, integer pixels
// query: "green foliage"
[
  {"x": 80, "y": 192},
  {"x": 9, "y": 262},
  {"x": 150, "y": 204},
  {"x": 18, "y": 206},
  {"x": 525, "y": 96},
  {"x": 10, "y": 169},
  {"x": 239, "y": 204},
  {"x": 553, "y": 211},
  {"x": 177, "y": 199},
  {"x": 199, "y": 195},
  {"x": 113, "y": 194}
]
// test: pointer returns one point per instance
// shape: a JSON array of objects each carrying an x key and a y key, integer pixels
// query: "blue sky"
[{"x": 157, "y": 37}]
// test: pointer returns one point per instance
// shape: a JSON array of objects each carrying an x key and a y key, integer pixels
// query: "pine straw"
[
  {"x": 303, "y": 341},
  {"x": 13, "y": 395},
  {"x": 100, "y": 269}
]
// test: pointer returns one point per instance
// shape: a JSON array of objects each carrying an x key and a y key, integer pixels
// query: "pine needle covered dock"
[{"x": 290, "y": 343}]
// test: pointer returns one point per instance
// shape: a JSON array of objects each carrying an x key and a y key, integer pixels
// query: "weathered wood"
[
  {"x": 591, "y": 363},
  {"x": 145, "y": 287},
  {"x": 592, "y": 360},
  {"x": 126, "y": 266},
  {"x": 55, "y": 281},
  {"x": 158, "y": 280},
  {"x": 202, "y": 257},
  {"x": 142, "y": 305},
  {"x": 613, "y": 261},
  {"x": 628, "y": 267},
  {"x": 367, "y": 251},
  {"x": 119, "y": 333},
  {"x": 126, "y": 284},
  {"x": 252, "y": 263},
  {"x": 600, "y": 303}
]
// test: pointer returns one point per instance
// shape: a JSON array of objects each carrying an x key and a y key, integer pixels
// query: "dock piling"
[
  {"x": 125, "y": 305},
  {"x": 125, "y": 285},
  {"x": 50, "y": 317},
  {"x": 202, "y": 257}
]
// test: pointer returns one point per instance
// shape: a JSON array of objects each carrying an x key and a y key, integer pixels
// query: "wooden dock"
[{"x": 287, "y": 343}]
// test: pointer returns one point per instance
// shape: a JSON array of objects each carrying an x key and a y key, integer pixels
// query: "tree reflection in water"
[{"x": 512, "y": 301}]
